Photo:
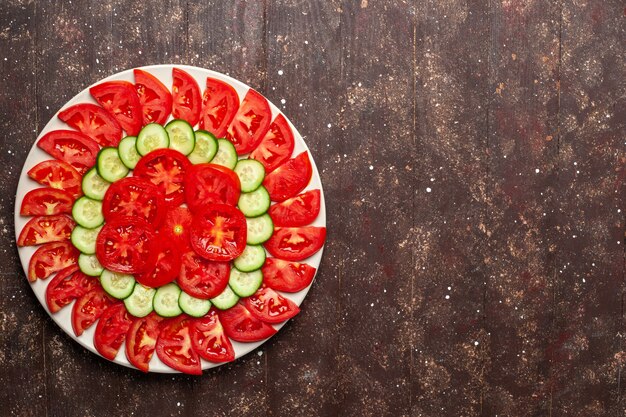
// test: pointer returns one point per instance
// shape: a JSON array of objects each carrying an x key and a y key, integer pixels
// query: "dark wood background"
[{"x": 472, "y": 156}]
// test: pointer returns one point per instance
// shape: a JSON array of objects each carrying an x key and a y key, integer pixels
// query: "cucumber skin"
[
  {"x": 135, "y": 311},
  {"x": 161, "y": 310},
  {"x": 187, "y": 150},
  {"x": 100, "y": 170},
  {"x": 257, "y": 240},
  {"x": 139, "y": 142},
  {"x": 182, "y": 303}
]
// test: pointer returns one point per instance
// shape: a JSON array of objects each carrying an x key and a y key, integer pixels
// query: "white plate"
[{"x": 36, "y": 155}]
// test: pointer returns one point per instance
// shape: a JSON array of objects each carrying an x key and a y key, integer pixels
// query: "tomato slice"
[
  {"x": 240, "y": 325},
  {"x": 209, "y": 183},
  {"x": 166, "y": 169},
  {"x": 58, "y": 175},
  {"x": 290, "y": 178},
  {"x": 89, "y": 307},
  {"x": 50, "y": 258},
  {"x": 277, "y": 145},
  {"x": 66, "y": 286},
  {"x": 220, "y": 103},
  {"x": 295, "y": 243},
  {"x": 203, "y": 278},
  {"x": 75, "y": 148},
  {"x": 296, "y": 211},
  {"x": 210, "y": 341},
  {"x": 46, "y": 202},
  {"x": 155, "y": 98},
  {"x": 174, "y": 346},
  {"x": 111, "y": 330},
  {"x": 219, "y": 232},
  {"x": 250, "y": 123},
  {"x": 287, "y": 276},
  {"x": 167, "y": 265},
  {"x": 271, "y": 307},
  {"x": 141, "y": 340},
  {"x": 187, "y": 103},
  {"x": 93, "y": 121},
  {"x": 176, "y": 226},
  {"x": 44, "y": 229},
  {"x": 120, "y": 99},
  {"x": 134, "y": 197},
  {"x": 126, "y": 245}
]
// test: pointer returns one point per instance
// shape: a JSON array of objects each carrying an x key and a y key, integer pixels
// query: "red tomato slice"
[
  {"x": 219, "y": 233},
  {"x": 141, "y": 340},
  {"x": 58, "y": 175},
  {"x": 176, "y": 226},
  {"x": 134, "y": 197},
  {"x": 44, "y": 229},
  {"x": 174, "y": 346},
  {"x": 287, "y": 276},
  {"x": 295, "y": 243},
  {"x": 167, "y": 264},
  {"x": 120, "y": 99},
  {"x": 219, "y": 105},
  {"x": 203, "y": 278},
  {"x": 210, "y": 341},
  {"x": 209, "y": 183},
  {"x": 269, "y": 306},
  {"x": 75, "y": 148},
  {"x": 46, "y": 202},
  {"x": 93, "y": 121},
  {"x": 296, "y": 211},
  {"x": 66, "y": 286},
  {"x": 187, "y": 103},
  {"x": 277, "y": 145},
  {"x": 166, "y": 169},
  {"x": 155, "y": 98},
  {"x": 240, "y": 325},
  {"x": 126, "y": 245},
  {"x": 89, "y": 307},
  {"x": 290, "y": 178},
  {"x": 111, "y": 330},
  {"x": 250, "y": 123},
  {"x": 50, "y": 258}
]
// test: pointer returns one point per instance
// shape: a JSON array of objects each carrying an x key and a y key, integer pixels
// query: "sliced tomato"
[
  {"x": 295, "y": 243},
  {"x": 44, "y": 229},
  {"x": 50, "y": 258},
  {"x": 210, "y": 183},
  {"x": 287, "y": 276},
  {"x": 126, "y": 245},
  {"x": 240, "y": 325},
  {"x": 155, "y": 98},
  {"x": 58, "y": 175},
  {"x": 75, "y": 148},
  {"x": 135, "y": 197},
  {"x": 120, "y": 99},
  {"x": 296, "y": 211},
  {"x": 176, "y": 226},
  {"x": 276, "y": 146},
  {"x": 290, "y": 178},
  {"x": 141, "y": 340},
  {"x": 93, "y": 121},
  {"x": 203, "y": 278},
  {"x": 187, "y": 102},
  {"x": 250, "y": 123},
  {"x": 167, "y": 265},
  {"x": 219, "y": 106},
  {"x": 66, "y": 286},
  {"x": 88, "y": 308},
  {"x": 271, "y": 307},
  {"x": 46, "y": 202},
  {"x": 174, "y": 346},
  {"x": 111, "y": 330},
  {"x": 166, "y": 169},
  {"x": 210, "y": 341},
  {"x": 219, "y": 233}
]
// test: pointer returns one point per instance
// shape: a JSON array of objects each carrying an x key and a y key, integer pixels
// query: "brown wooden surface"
[{"x": 472, "y": 156}]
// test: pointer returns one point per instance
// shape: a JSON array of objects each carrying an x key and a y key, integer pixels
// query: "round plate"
[{"x": 36, "y": 155}]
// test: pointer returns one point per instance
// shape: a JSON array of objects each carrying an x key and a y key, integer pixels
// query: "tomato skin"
[
  {"x": 220, "y": 103},
  {"x": 141, "y": 340},
  {"x": 166, "y": 169},
  {"x": 269, "y": 306},
  {"x": 219, "y": 232},
  {"x": 66, "y": 286},
  {"x": 50, "y": 258},
  {"x": 93, "y": 121},
  {"x": 296, "y": 211},
  {"x": 167, "y": 265},
  {"x": 187, "y": 102},
  {"x": 211, "y": 184},
  {"x": 46, "y": 202},
  {"x": 58, "y": 175},
  {"x": 202, "y": 278},
  {"x": 174, "y": 346},
  {"x": 240, "y": 325},
  {"x": 88, "y": 308},
  {"x": 251, "y": 123},
  {"x": 290, "y": 178},
  {"x": 295, "y": 243},
  {"x": 120, "y": 99},
  {"x": 45, "y": 229},
  {"x": 287, "y": 276},
  {"x": 176, "y": 226},
  {"x": 276, "y": 146},
  {"x": 135, "y": 197},
  {"x": 209, "y": 340},
  {"x": 111, "y": 330},
  {"x": 75, "y": 148},
  {"x": 155, "y": 98}
]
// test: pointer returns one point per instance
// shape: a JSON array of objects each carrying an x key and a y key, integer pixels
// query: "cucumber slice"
[
  {"x": 166, "y": 300},
  {"x": 255, "y": 203},
  {"x": 226, "y": 154},
  {"x": 260, "y": 229},
  {"x": 85, "y": 239},
  {"x": 226, "y": 299},
  {"x": 88, "y": 212},
  {"x": 152, "y": 136},
  {"x": 128, "y": 151},
  {"x": 244, "y": 284},
  {"x": 251, "y": 259},
  {"x": 89, "y": 265},
  {"x": 251, "y": 174},
  {"x": 110, "y": 166},
  {"x": 182, "y": 138},
  {"x": 117, "y": 285},
  {"x": 139, "y": 303},
  {"x": 204, "y": 149},
  {"x": 94, "y": 186},
  {"x": 195, "y": 307}
]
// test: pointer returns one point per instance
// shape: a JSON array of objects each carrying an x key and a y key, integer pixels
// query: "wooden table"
[{"x": 472, "y": 155}]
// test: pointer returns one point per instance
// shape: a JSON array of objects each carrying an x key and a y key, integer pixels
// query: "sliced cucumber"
[
  {"x": 226, "y": 299},
  {"x": 251, "y": 174},
  {"x": 110, "y": 166},
  {"x": 85, "y": 239},
  {"x": 152, "y": 136},
  {"x": 94, "y": 186},
  {"x": 166, "y": 300},
  {"x": 260, "y": 229},
  {"x": 139, "y": 303},
  {"x": 128, "y": 151},
  {"x": 204, "y": 149},
  {"x": 252, "y": 258},
  {"x": 89, "y": 265},
  {"x": 244, "y": 284},
  {"x": 255, "y": 203},
  {"x": 195, "y": 307},
  {"x": 117, "y": 285},
  {"x": 226, "y": 154},
  {"x": 88, "y": 212},
  {"x": 182, "y": 138}
]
